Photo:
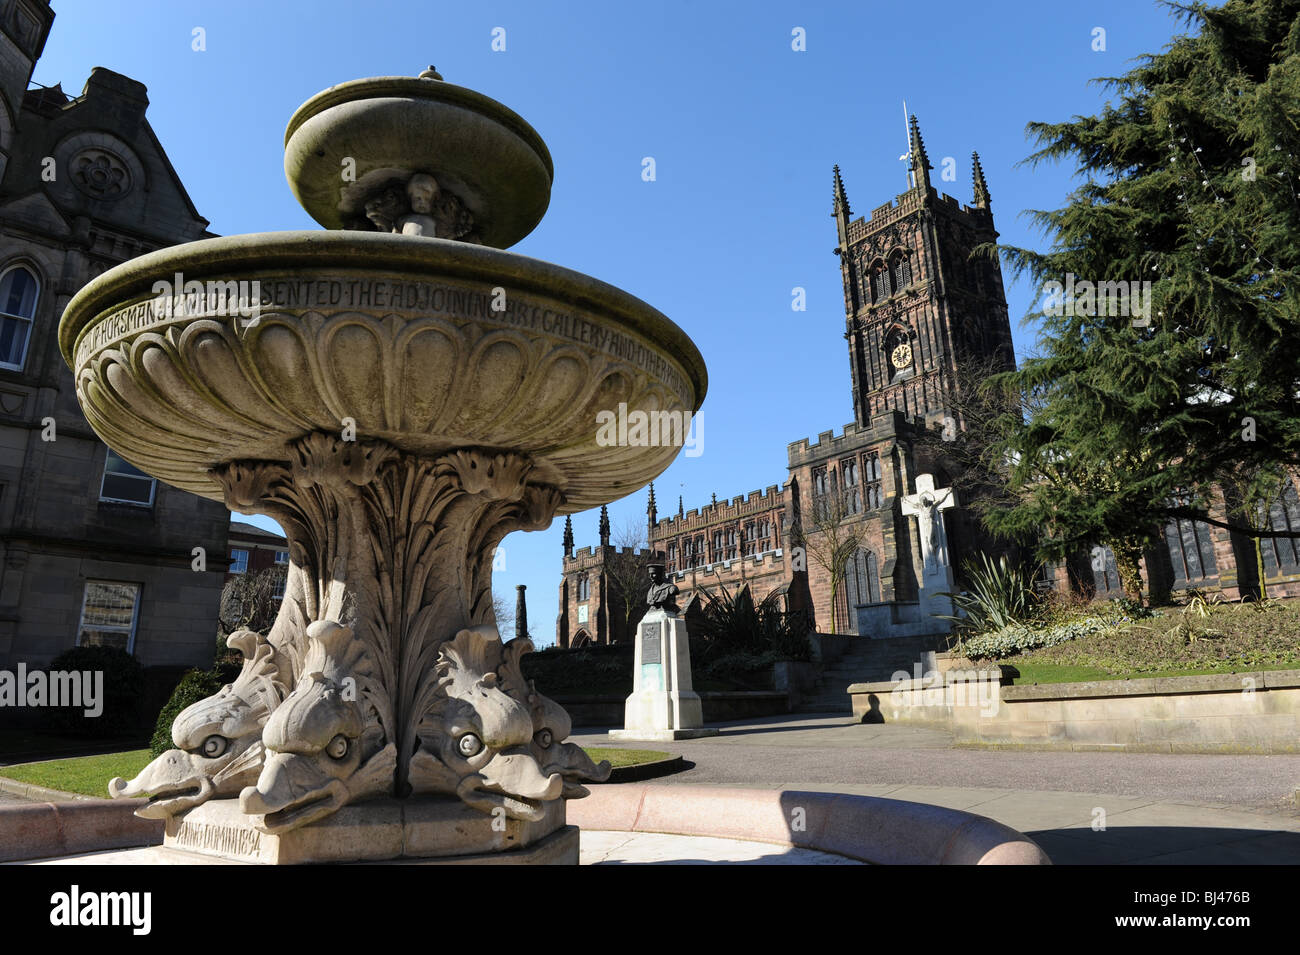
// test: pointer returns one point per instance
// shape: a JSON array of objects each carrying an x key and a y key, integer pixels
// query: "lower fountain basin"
[{"x": 231, "y": 348}]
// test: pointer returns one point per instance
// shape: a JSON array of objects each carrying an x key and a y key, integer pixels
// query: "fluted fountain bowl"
[{"x": 428, "y": 344}]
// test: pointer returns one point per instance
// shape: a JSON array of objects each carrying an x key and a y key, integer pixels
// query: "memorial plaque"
[{"x": 650, "y": 642}]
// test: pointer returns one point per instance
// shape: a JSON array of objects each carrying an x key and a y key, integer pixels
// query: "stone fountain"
[{"x": 399, "y": 393}]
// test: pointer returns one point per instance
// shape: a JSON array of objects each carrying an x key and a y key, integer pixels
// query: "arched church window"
[
  {"x": 1190, "y": 549},
  {"x": 584, "y": 588},
  {"x": 900, "y": 267},
  {"x": 1282, "y": 554},
  {"x": 879, "y": 282},
  {"x": 19, "y": 291}
]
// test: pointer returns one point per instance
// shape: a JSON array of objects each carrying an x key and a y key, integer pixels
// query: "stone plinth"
[
  {"x": 663, "y": 706},
  {"x": 411, "y": 830}
]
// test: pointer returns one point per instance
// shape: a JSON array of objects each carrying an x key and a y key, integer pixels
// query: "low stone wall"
[
  {"x": 1251, "y": 712},
  {"x": 867, "y": 828},
  {"x": 40, "y": 830},
  {"x": 719, "y": 706}
]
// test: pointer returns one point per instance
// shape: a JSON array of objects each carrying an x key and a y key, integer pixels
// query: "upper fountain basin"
[
  {"x": 427, "y": 344},
  {"x": 350, "y": 140}
]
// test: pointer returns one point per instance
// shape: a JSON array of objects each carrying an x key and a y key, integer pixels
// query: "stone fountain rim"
[
  {"x": 440, "y": 91},
  {"x": 445, "y": 258}
]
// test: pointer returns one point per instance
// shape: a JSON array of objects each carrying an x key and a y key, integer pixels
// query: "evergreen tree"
[{"x": 1191, "y": 183}]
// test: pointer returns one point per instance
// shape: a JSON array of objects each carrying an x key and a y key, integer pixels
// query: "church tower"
[{"x": 918, "y": 306}]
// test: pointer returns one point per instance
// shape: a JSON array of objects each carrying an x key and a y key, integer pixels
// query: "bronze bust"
[{"x": 662, "y": 591}]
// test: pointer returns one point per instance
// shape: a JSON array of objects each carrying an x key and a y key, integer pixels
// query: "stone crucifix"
[{"x": 928, "y": 505}]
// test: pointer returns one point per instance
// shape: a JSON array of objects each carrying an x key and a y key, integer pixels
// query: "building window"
[
  {"x": 672, "y": 557},
  {"x": 872, "y": 491},
  {"x": 900, "y": 268},
  {"x": 281, "y": 580},
  {"x": 282, "y": 557},
  {"x": 124, "y": 484},
  {"x": 731, "y": 543},
  {"x": 238, "y": 560},
  {"x": 1282, "y": 554},
  {"x": 823, "y": 488},
  {"x": 852, "y": 493},
  {"x": 584, "y": 588},
  {"x": 879, "y": 283},
  {"x": 861, "y": 579},
  {"x": 109, "y": 613},
  {"x": 18, "y": 293},
  {"x": 1105, "y": 575},
  {"x": 1190, "y": 549}
]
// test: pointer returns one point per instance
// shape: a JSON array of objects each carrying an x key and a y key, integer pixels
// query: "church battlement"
[
  {"x": 740, "y": 506},
  {"x": 591, "y": 556},
  {"x": 826, "y": 441}
]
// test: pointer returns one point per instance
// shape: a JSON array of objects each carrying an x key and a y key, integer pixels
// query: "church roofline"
[{"x": 755, "y": 502}]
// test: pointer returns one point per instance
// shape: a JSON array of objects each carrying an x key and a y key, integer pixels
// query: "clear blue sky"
[{"x": 743, "y": 129}]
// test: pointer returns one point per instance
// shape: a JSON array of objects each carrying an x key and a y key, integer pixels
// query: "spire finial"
[
  {"x": 681, "y": 511},
  {"x": 982, "y": 198},
  {"x": 568, "y": 536},
  {"x": 651, "y": 510},
  {"x": 604, "y": 526},
  {"x": 920, "y": 162},
  {"x": 841, "y": 198}
]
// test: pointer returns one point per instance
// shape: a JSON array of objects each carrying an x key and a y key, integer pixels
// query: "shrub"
[
  {"x": 733, "y": 623},
  {"x": 1000, "y": 595},
  {"x": 194, "y": 686},
  {"x": 1018, "y": 637},
  {"x": 123, "y": 688}
]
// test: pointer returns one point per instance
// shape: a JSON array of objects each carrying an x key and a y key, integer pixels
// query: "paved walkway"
[{"x": 1155, "y": 808}]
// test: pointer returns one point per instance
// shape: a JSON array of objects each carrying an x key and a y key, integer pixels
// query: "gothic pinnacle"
[
  {"x": 651, "y": 511},
  {"x": 982, "y": 198},
  {"x": 604, "y": 526},
  {"x": 841, "y": 198},
  {"x": 568, "y": 536},
  {"x": 920, "y": 164}
]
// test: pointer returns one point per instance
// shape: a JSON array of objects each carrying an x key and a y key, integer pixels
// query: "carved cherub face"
[
  {"x": 422, "y": 190},
  {"x": 385, "y": 208}
]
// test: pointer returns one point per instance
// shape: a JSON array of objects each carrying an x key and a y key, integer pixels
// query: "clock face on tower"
[{"x": 901, "y": 356}]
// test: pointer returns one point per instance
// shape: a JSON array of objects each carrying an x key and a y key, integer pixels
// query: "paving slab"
[{"x": 1199, "y": 809}]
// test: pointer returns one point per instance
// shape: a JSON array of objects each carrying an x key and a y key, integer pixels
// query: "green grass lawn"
[
  {"x": 89, "y": 775},
  {"x": 84, "y": 775},
  {"x": 625, "y": 757}
]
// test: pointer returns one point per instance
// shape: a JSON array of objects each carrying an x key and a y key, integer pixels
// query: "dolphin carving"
[
  {"x": 477, "y": 740},
  {"x": 551, "y": 726},
  {"x": 218, "y": 740},
  {"x": 324, "y": 748}
]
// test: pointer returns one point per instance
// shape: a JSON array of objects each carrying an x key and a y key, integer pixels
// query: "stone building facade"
[
  {"x": 924, "y": 310},
  {"x": 91, "y": 550}
]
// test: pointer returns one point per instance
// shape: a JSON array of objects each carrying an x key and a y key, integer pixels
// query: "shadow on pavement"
[{"x": 1169, "y": 845}]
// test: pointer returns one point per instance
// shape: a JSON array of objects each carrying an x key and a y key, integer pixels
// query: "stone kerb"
[
  {"x": 42, "y": 830},
  {"x": 866, "y": 828}
]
